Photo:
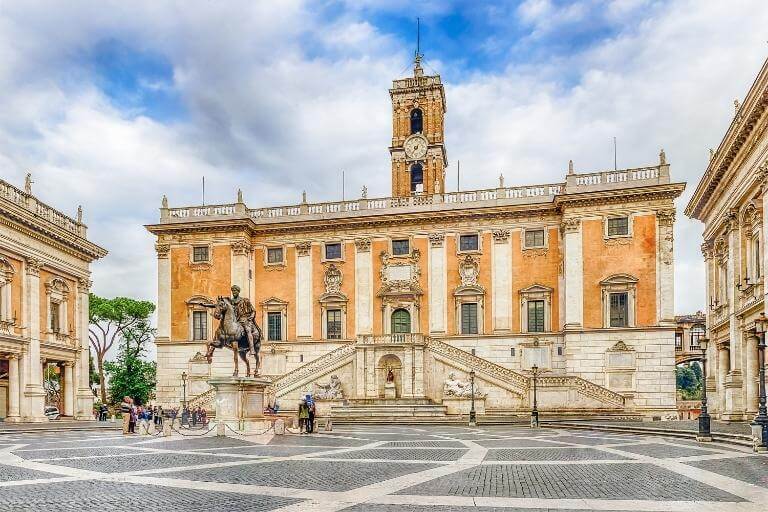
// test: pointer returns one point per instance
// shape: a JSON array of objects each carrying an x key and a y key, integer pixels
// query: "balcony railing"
[{"x": 447, "y": 200}]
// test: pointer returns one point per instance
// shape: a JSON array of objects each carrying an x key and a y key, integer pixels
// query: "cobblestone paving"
[
  {"x": 380, "y": 468},
  {"x": 95, "y": 495},
  {"x": 753, "y": 470},
  {"x": 552, "y": 454},
  {"x": 597, "y": 481}
]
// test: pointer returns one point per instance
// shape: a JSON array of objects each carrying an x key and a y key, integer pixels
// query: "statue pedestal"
[
  {"x": 240, "y": 402},
  {"x": 462, "y": 405},
  {"x": 323, "y": 406},
  {"x": 389, "y": 390}
]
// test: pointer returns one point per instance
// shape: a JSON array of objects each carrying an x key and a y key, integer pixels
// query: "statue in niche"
[
  {"x": 390, "y": 375},
  {"x": 329, "y": 391}
]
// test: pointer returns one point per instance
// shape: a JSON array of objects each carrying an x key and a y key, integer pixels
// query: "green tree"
[
  {"x": 93, "y": 374},
  {"x": 696, "y": 368},
  {"x": 131, "y": 376},
  {"x": 687, "y": 383},
  {"x": 110, "y": 320}
]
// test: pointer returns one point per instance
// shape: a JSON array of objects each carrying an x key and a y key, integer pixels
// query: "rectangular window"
[
  {"x": 55, "y": 321},
  {"x": 401, "y": 247},
  {"x": 333, "y": 251},
  {"x": 535, "y": 316},
  {"x": 559, "y": 351},
  {"x": 619, "y": 310},
  {"x": 469, "y": 318},
  {"x": 333, "y": 324},
  {"x": 469, "y": 243},
  {"x": 534, "y": 238},
  {"x": 697, "y": 332},
  {"x": 618, "y": 226},
  {"x": 274, "y": 326},
  {"x": 199, "y": 325},
  {"x": 678, "y": 341},
  {"x": 200, "y": 253},
  {"x": 512, "y": 351},
  {"x": 275, "y": 255}
]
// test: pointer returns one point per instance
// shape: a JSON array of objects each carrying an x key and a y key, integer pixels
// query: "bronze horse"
[{"x": 231, "y": 334}]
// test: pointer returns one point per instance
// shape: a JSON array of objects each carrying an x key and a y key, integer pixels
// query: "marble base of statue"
[
  {"x": 389, "y": 390},
  {"x": 240, "y": 402}
]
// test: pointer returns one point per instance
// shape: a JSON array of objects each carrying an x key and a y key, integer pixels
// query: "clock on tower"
[{"x": 418, "y": 150}]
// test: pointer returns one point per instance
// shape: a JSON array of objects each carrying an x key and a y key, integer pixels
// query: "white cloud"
[{"x": 279, "y": 100}]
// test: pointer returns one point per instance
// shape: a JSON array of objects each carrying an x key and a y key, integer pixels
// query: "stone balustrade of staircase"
[
  {"x": 290, "y": 380},
  {"x": 584, "y": 387},
  {"x": 479, "y": 364}
]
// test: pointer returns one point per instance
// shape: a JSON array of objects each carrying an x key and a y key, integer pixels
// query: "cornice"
[
  {"x": 741, "y": 127},
  {"x": 623, "y": 195}
]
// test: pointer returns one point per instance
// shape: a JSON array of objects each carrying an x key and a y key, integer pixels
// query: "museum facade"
[
  {"x": 44, "y": 284},
  {"x": 429, "y": 287},
  {"x": 732, "y": 202}
]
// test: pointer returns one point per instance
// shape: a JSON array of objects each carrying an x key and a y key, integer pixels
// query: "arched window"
[
  {"x": 417, "y": 178},
  {"x": 401, "y": 321},
  {"x": 417, "y": 121}
]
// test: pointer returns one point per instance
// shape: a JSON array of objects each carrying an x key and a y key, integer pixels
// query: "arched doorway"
[{"x": 401, "y": 321}]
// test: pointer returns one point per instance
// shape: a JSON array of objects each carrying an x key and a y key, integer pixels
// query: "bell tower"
[{"x": 418, "y": 142}]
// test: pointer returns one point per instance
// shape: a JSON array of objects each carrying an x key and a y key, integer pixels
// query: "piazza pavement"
[{"x": 379, "y": 469}]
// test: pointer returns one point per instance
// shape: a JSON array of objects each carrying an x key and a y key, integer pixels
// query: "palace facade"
[
  {"x": 44, "y": 284},
  {"x": 732, "y": 202},
  {"x": 574, "y": 278}
]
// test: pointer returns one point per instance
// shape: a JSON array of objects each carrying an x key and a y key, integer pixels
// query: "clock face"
[{"x": 415, "y": 147}]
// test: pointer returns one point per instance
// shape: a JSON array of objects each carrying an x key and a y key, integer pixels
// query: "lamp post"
[
  {"x": 535, "y": 410},
  {"x": 184, "y": 390},
  {"x": 472, "y": 414},
  {"x": 705, "y": 434},
  {"x": 761, "y": 420}
]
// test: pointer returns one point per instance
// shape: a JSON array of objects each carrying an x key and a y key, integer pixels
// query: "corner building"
[
  {"x": 45, "y": 260},
  {"x": 575, "y": 278}
]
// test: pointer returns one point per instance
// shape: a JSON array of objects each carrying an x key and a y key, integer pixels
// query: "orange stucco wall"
[
  {"x": 453, "y": 280},
  {"x": 637, "y": 257},
  {"x": 376, "y": 247},
  {"x": 538, "y": 268},
  {"x": 69, "y": 327},
  {"x": 422, "y": 244},
  {"x": 186, "y": 282},
  {"x": 277, "y": 282}
]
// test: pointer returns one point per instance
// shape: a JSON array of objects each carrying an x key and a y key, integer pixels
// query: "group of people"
[
  {"x": 194, "y": 416},
  {"x": 307, "y": 413},
  {"x": 138, "y": 414}
]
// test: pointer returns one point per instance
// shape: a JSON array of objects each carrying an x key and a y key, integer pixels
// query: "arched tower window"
[
  {"x": 417, "y": 121},
  {"x": 401, "y": 321},
  {"x": 417, "y": 178}
]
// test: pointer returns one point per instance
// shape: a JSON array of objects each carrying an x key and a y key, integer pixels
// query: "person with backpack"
[{"x": 303, "y": 416}]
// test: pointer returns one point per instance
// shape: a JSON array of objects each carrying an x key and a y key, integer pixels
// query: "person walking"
[
  {"x": 303, "y": 416},
  {"x": 311, "y": 419},
  {"x": 132, "y": 417},
  {"x": 125, "y": 410}
]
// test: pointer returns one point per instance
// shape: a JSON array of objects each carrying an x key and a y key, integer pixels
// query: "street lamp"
[
  {"x": 705, "y": 433},
  {"x": 184, "y": 388},
  {"x": 761, "y": 325},
  {"x": 472, "y": 414},
  {"x": 535, "y": 410}
]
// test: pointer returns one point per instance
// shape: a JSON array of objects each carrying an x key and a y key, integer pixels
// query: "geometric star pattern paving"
[{"x": 380, "y": 469}]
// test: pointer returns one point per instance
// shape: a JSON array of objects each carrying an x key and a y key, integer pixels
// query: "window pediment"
[
  {"x": 199, "y": 300},
  {"x": 469, "y": 290},
  {"x": 536, "y": 289},
  {"x": 334, "y": 297},
  {"x": 274, "y": 301},
  {"x": 619, "y": 279}
]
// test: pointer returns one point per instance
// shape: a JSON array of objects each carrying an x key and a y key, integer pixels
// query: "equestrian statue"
[{"x": 237, "y": 330}]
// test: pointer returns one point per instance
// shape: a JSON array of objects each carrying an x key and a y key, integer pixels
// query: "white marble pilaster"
[
  {"x": 574, "y": 273},
  {"x": 751, "y": 376},
  {"x": 304, "y": 290},
  {"x": 363, "y": 287},
  {"x": 666, "y": 274},
  {"x": 437, "y": 282},
  {"x": 501, "y": 279},
  {"x": 84, "y": 404},
  {"x": 241, "y": 264},
  {"x": 163, "y": 291},
  {"x": 33, "y": 391}
]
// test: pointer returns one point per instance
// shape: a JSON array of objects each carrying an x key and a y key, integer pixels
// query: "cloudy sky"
[{"x": 110, "y": 104}]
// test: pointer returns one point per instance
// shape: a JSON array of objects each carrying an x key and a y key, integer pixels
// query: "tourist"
[
  {"x": 159, "y": 416},
  {"x": 203, "y": 417},
  {"x": 311, "y": 419},
  {"x": 132, "y": 419},
  {"x": 303, "y": 416},
  {"x": 125, "y": 410},
  {"x": 103, "y": 411}
]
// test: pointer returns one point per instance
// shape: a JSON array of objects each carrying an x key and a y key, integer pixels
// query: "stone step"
[
  {"x": 390, "y": 401},
  {"x": 402, "y": 411}
]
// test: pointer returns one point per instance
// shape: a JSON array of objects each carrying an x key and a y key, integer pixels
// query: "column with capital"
[
  {"x": 83, "y": 408},
  {"x": 573, "y": 262},
  {"x": 734, "y": 402},
  {"x": 69, "y": 395},
  {"x": 723, "y": 365},
  {"x": 665, "y": 277},
  {"x": 163, "y": 291},
  {"x": 34, "y": 395},
  {"x": 14, "y": 386}
]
